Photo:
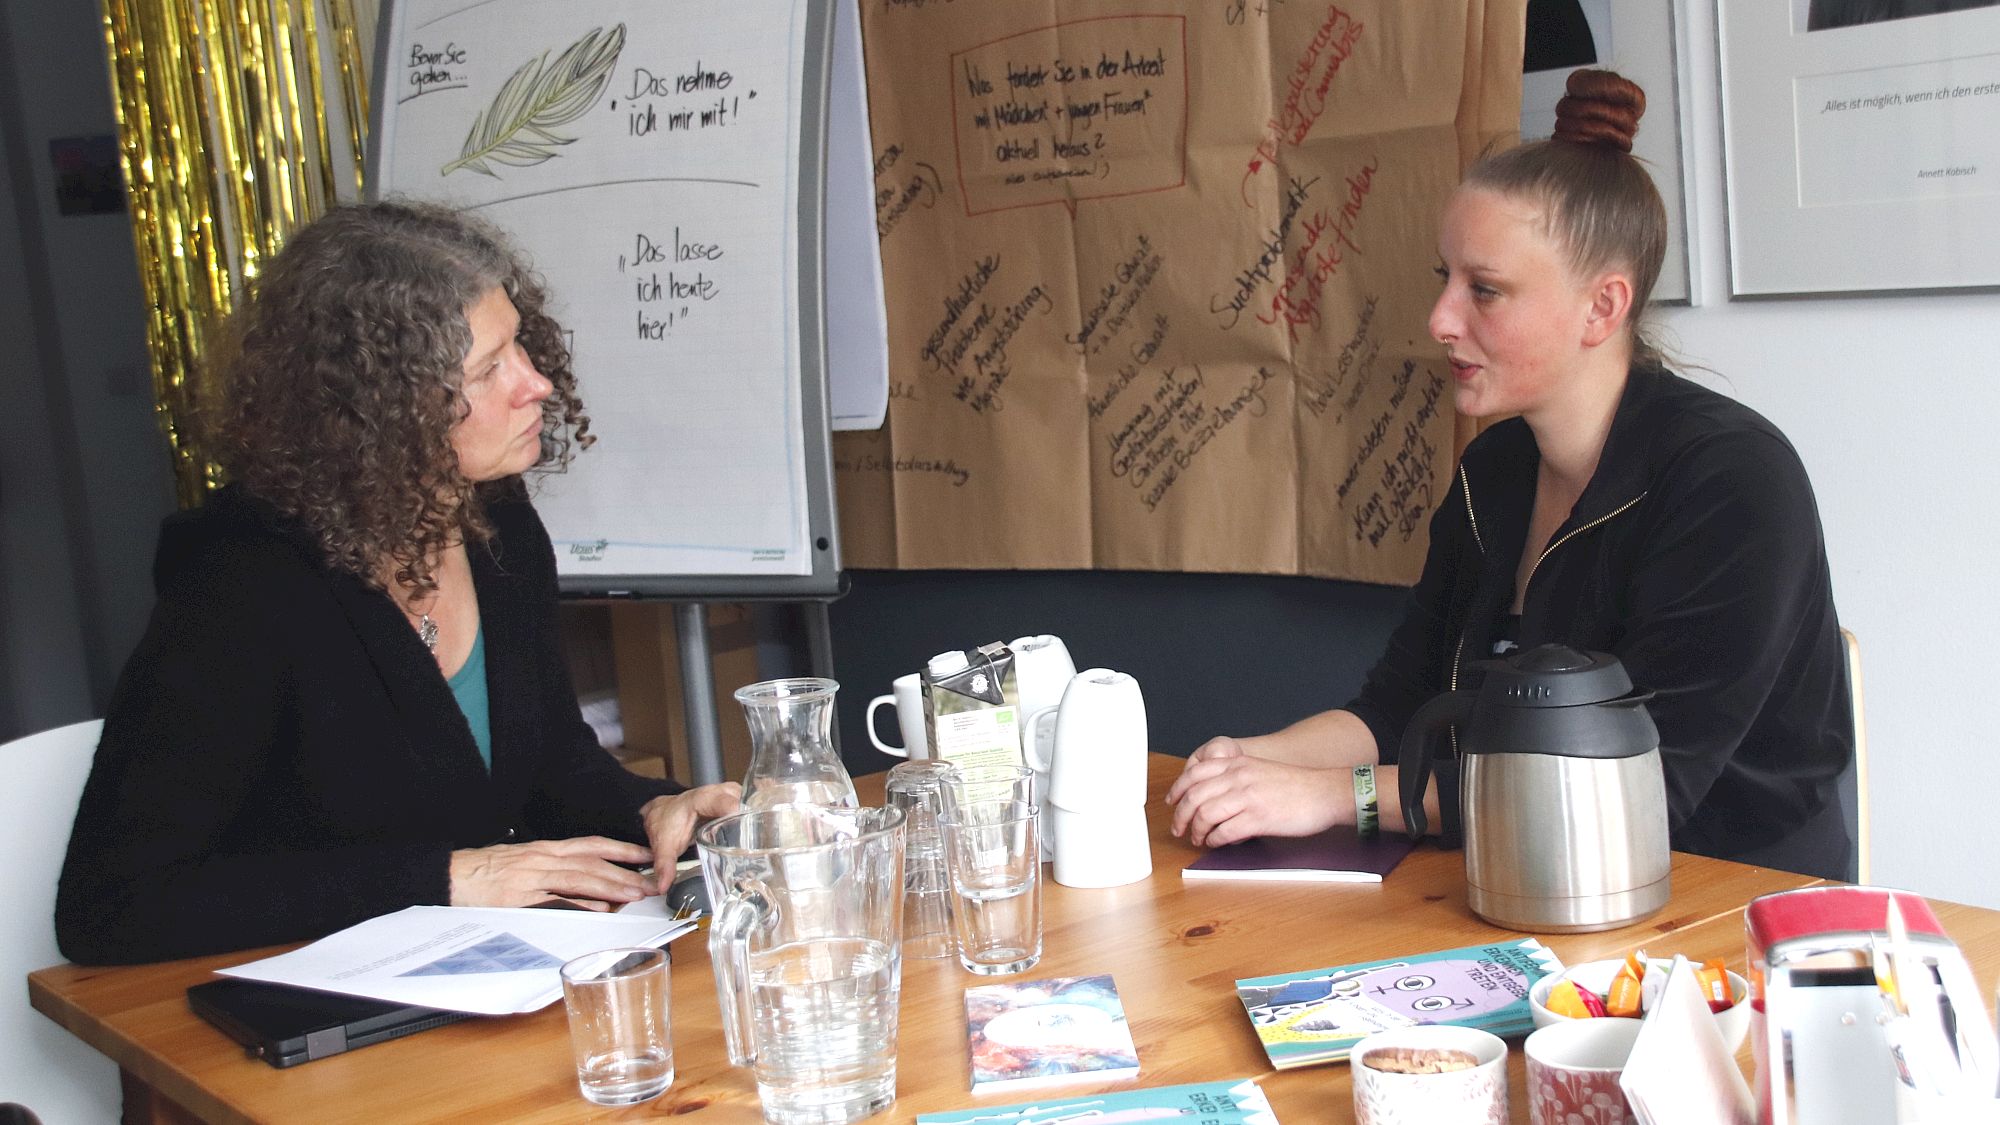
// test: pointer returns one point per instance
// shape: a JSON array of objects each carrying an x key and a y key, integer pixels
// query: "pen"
[{"x": 1947, "y": 1015}]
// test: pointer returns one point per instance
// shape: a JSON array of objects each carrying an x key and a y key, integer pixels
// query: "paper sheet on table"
[
  {"x": 1680, "y": 1069},
  {"x": 462, "y": 959}
]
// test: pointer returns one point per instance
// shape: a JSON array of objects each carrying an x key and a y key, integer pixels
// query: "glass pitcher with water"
[
  {"x": 806, "y": 943},
  {"x": 792, "y": 760}
]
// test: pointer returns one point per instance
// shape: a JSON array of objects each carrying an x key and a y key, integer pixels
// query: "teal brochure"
[{"x": 1210, "y": 1103}]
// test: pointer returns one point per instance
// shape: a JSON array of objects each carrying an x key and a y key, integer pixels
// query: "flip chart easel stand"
[{"x": 704, "y": 732}]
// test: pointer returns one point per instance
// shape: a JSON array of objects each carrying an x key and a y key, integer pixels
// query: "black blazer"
[{"x": 282, "y": 757}]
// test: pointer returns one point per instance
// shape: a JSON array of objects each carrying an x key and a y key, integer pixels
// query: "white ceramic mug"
[
  {"x": 1042, "y": 671},
  {"x": 908, "y": 699}
]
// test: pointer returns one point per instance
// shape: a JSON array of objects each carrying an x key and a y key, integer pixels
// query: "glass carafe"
[{"x": 792, "y": 760}]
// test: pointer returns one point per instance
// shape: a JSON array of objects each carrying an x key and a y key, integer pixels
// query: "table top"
[{"x": 1175, "y": 948}]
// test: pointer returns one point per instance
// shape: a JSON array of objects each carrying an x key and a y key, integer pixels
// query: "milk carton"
[{"x": 972, "y": 707}]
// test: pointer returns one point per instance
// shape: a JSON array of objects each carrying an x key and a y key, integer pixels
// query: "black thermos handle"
[{"x": 1415, "y": 756}]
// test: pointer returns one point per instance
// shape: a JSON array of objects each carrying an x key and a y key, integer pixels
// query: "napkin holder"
[{"x": 1823, "y": 1055}]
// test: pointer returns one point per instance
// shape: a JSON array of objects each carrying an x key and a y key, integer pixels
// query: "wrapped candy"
[
  {"x": 1627, "y": 989},
  {"x": 1714, "y": 980},
  {"x": 1573, "y": 1001}
]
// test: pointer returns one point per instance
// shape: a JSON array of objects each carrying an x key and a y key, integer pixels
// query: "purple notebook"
[{"x": 1336, "y": 855}]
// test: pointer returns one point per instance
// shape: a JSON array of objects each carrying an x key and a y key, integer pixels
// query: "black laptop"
[{"x": 287, "y": 1026}]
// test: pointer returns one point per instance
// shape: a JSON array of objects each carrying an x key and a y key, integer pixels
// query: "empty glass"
[
  {"x": 619, "y": 1025},
  {"x": 918, "y": 789},
  {"x": 993, "y": 852},
  {"x": 988, "y": 783}
]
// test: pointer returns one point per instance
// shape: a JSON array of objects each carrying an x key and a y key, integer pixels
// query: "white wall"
[{"x": 1892, "y": 402}]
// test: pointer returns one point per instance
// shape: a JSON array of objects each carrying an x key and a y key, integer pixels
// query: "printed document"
[{"x": 462, "y": 959}]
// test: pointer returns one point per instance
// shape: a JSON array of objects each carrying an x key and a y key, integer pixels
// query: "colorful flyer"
[
  {"x": 1029, "y": 1032},
  {"x": 1317, "y": 1015}
]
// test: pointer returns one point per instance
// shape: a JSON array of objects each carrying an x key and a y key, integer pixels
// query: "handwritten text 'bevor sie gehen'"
[{"x": 430, "y": 69}]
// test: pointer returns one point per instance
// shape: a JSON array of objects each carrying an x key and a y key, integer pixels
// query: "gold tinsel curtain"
[{"x": 238, "y": 122}]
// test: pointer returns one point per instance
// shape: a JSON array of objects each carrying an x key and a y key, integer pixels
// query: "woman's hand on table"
[
  {"x": 1224, "y": 795},
  {"x": 670, "y": 821},
  {"x": 583, "y": 869}
]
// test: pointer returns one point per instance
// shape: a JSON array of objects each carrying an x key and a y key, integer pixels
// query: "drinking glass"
[
  {"x": 619, "y": 1024},
  {"x": 993, "y": 852},
  {"x": 918, "y": 789},
  {"x": 988, "y": 783}
]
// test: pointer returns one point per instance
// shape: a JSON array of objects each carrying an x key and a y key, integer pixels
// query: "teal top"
[{"x": 468, "y": 686}]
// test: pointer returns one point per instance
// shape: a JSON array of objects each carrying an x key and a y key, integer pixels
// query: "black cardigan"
[
  {"x": 283, "y": 758},
  {"x": 1695, "y": 556}
]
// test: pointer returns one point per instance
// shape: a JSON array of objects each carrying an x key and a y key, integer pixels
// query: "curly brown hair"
[{"x": 338, "y": 384}]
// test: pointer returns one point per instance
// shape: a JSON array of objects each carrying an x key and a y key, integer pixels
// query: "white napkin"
[{"x": 1680, "y": 1070}]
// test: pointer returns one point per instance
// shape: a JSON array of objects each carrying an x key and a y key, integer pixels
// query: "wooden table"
[{"x": 1176, "y": 950}]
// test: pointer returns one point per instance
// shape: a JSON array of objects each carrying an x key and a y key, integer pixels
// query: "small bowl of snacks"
[{"x": 1628, "y": 988}]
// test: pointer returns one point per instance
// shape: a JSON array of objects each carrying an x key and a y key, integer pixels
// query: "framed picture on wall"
[
  {"x": 1641, "y": 40},
  {"x": 1860, "y": 145}
]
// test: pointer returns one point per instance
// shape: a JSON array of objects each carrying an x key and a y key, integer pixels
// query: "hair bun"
[{"x": 1601, "y": 107}]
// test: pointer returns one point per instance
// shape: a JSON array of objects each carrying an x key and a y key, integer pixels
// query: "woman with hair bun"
[
  {"x": 1618, "y": 508},
  {"x": 351, "y": 697}
]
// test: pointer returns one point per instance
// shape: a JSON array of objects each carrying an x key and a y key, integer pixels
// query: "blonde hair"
[{"x": 1598, "y": 202}]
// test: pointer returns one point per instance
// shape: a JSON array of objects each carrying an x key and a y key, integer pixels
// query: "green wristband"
[{"x": 1366, "y": 819}]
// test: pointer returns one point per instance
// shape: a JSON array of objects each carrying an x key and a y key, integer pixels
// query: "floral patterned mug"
[{"x": 1573, "y": 1072}]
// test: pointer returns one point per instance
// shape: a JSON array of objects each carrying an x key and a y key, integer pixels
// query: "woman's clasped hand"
[
  {"x": 594, "y": 872},
  {"x": 1224, "y": 795}
]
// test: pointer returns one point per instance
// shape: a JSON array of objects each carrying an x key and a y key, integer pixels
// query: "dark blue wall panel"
[{"x": 1214, "y": 653}]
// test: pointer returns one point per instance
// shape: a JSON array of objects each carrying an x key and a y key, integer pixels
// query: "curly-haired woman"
[
  {"x": 1618, "y": 508},
  {"x": 350, "y": 697}
]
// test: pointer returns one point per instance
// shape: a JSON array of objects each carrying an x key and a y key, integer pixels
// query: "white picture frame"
[
  {"x": 1861, "y": 158},
  {"x": 1642, "y": 40}
]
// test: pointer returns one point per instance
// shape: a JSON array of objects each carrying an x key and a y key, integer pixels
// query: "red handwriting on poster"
[
  {"x": 1088, "y": 109},
  {"x": 1329, "y": 236},
  {"x": 1306, "y": 87}
]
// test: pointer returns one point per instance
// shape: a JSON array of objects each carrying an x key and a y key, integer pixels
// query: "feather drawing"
[{"x": 518, "y": 129}]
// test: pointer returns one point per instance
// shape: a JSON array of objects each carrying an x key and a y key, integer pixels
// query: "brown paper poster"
[{"x": 1158, "y": 277}]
